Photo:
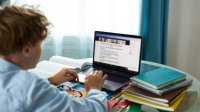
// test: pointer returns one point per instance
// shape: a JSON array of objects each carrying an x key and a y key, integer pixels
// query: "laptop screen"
[{"x": 118, "y": 52}]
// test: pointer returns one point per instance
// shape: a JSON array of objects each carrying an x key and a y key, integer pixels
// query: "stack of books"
[{"x": 161, "y": 88}]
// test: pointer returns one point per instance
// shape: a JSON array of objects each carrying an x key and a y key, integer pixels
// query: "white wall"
[{"x": 184, "y": 36}]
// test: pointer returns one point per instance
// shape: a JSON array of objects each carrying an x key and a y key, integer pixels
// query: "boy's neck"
[{"x": 15, "y": 59}]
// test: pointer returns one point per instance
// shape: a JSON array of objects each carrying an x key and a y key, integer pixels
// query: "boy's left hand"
[{"x": 64, "y": 75}]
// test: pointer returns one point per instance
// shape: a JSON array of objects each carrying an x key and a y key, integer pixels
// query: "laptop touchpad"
[{"x": 110, "y": 85}]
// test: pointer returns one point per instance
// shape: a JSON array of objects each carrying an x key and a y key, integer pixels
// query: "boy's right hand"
[{"x": 95, "y": 80}]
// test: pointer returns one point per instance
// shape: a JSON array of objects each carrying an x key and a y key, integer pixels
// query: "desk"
[{"x": 190, "y": 103}]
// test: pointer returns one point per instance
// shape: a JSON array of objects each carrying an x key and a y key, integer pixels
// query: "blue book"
[
  {"x": 159, "y": 78},
  {"x": 164, "y": 90}
]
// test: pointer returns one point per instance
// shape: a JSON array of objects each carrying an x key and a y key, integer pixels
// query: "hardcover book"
[
  {"x": 139, "y": 100},
  {"x": 166, "y": 100},
  {"x": 164, "y": 90},
  {"x": 159, "y": 78}
]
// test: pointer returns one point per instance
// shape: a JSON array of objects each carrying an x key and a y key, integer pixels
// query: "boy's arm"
[{"x": 41, "y": 96}]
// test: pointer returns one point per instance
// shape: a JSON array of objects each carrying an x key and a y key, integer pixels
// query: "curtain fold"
[{"x": 154, "y": 25}]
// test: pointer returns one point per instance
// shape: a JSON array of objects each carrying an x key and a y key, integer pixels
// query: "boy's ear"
[{"x": 26, "y": 50}]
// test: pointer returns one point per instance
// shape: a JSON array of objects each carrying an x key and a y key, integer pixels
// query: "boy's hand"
[
  {"x": 64, "y": 75},
  {"x": 95, "y": 80}
]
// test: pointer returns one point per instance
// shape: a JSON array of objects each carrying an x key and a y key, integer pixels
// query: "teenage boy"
[{"x": 22, "y": 29}]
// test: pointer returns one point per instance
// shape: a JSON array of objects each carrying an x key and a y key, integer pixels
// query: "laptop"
[{"x": 118, "y": 56}]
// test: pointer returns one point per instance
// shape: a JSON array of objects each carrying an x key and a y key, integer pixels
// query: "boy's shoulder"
[
  {"x": 24, "y": 79},
  {"x": 25, "y": 76}
]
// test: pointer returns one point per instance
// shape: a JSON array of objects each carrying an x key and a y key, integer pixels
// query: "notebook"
[
  {"x": 159, "y": 78},
  {"x": 117, "y": 55},
  {"x": 166, "y": 99}
]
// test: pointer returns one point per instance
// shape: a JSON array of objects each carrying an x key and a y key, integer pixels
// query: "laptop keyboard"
[{"x": 111, "y": 77}]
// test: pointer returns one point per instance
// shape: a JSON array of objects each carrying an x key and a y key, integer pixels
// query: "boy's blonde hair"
[{"x": 19, "y": 26}]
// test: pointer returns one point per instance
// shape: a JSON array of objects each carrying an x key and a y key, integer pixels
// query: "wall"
[{"x": 184, "y": 36}]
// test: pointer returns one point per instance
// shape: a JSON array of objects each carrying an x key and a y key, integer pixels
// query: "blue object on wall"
[{"x": 154, "y": 27}]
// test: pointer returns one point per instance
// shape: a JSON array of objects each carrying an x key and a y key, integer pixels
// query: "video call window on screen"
[
  {"x": 115, "y": 50},
  {"x": 116, "y": 41}
]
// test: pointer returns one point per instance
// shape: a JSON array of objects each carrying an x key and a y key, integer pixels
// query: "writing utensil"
[
  {"x": 119, "y": 99},
  {"x": 118, "y": 95}
]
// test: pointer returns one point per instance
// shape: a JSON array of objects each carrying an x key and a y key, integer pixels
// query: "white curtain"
[{"x": 75, "y": 21}]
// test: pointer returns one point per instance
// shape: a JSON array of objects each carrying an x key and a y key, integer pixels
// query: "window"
[{"x": 76, "y": 21}]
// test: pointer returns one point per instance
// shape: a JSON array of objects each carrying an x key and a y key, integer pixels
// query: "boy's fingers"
[
  {"x": 105, "y": 77},
  {"x": 100, "y": 73},
  {"x": 95, "y": 72},
  {"x": 86, "y": 79},
  {"x": 75, "y": 77},
  {"x": 73, "y": 73},
  {"x": 70, "y": 77}
]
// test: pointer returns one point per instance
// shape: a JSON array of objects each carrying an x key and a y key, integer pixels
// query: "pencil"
[{"x": 118, "y": 95}]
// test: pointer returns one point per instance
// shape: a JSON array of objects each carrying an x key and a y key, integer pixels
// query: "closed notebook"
[
  {"x": 164, "y": 90},
  {"x": 167, "y": 99},
  {"x": 159, "y": 78},
  {"x": 138, "y": 100}
]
